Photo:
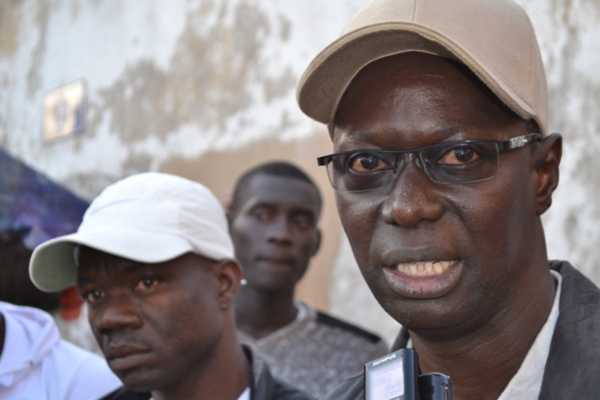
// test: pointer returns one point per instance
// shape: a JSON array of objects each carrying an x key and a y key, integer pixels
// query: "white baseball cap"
[{"x": 149, "y": 218}]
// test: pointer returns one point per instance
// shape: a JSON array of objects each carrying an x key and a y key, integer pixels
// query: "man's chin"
[{"x": 138, "y": 382}]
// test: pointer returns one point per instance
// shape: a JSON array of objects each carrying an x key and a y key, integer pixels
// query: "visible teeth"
[
  {"x": 424, "y": 268},
  {"x": 439, "y": 268}
]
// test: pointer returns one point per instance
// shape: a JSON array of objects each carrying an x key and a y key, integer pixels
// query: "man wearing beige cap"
[
  {"x": 442, "y": 167},
  {"x": 154, "y": 261}
]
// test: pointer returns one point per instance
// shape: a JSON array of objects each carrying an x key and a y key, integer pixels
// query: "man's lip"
[
  {"x": 413, "y": 281},
  {"x": 126, "y": 356},
  {"x": 424, "y": 268},
  {"x": 124, "y": 350},
  {"x": 398, "y": 255},
  {"x": 276, "y": 260}
]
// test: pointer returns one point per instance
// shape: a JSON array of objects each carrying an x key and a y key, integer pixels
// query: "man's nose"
[
  {"x": 279, "y": 230},
  {"x": 413, "y": 197},
  {"x": 116, "y": 313}
]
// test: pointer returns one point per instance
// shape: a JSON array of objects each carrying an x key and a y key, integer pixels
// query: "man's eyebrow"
[
  {"x": 362, "y": 135},
  {"x": 444, "y": 132},
  {"x": 131, "y": 266},
  {"x": 135, "y": 266},
  {"x": 299, "y": 209},
  {"x": 262, "y": 203},
  {"x": 304, "y": 210},
  {"x": 82, "y": 281}
]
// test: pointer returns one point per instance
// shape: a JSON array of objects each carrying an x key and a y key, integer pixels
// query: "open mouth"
[
  {"x": 424, "y": 279},
  {"x": 424, "y": 268}
]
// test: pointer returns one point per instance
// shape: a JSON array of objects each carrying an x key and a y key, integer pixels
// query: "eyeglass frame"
[{"x": 503, "y": 146}]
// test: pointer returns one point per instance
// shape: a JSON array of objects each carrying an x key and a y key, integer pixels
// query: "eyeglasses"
[{"x": 461, "y": 161}]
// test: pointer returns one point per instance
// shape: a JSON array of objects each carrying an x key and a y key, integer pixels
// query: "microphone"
[
  {"x": 396, "y": 377},
  {"x": 435, "y": 386}
]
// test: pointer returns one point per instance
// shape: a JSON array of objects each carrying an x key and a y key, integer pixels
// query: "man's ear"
[
  {"x": 550, "y": 153},
  {"x": 227, "y": 208},
  {"x": 229, "y": 273},
  {"x": 316, "y": 242}
]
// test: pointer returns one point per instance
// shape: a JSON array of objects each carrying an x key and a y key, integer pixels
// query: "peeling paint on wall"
[
  {"x": 216, "y": 76},
  {"x": 212, "y": 76},
  {"x": 10, "y": 21}
]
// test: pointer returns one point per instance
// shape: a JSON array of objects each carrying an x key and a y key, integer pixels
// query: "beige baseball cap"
[
  {"x": 494, "y": 38},
  {"x": 149, "y": 217}
]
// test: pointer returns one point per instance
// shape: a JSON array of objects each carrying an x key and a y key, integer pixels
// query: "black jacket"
[
  {"x": 573, "y": 365},
  {"x": 263, "y": 385}
]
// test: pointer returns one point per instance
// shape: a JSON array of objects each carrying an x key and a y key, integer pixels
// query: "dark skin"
[
  {"x": 275, "y": 236},
  {"x": 167, "y": 328},
  {"x": 476, "y": 319}
]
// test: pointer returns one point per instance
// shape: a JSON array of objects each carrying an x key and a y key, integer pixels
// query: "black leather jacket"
[{"x": 573, "y": 366}]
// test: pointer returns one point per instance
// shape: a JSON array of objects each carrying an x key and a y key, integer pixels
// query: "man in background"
[
  {"x": 154, "y": 262},
  {"x": 273, "y": 219}
]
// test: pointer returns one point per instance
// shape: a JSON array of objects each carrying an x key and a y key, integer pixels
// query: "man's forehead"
[
  {"x": 88, "y": 257},
  {"x": 415, "y": 92},
  {"x": 281, "y": 193},
  {"x": 268, "y": 185},
  {"x": 272, "y": 189},
  {"x": 406, "y": 67},
  {"x": 413, "y": 64}
]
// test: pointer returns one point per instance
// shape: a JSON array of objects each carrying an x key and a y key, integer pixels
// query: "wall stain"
[
  {"x": 74, "y": 10},
  {"x": 42, "y": 16},
  {"x": 10, "y": 21},
  {"x": 592, "y": 6},
  {"x": 211, "y": 76},
  {"x": 285, "y": 28}
]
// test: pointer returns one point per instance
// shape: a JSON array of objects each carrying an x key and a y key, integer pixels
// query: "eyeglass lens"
[{"x": 449, "y": 162}]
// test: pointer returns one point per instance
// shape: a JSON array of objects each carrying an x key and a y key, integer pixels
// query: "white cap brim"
[{"x": 53, "y": 265}]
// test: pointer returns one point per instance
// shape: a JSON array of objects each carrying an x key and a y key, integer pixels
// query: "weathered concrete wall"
[
  {"x": 165, "y": 78},
  {"x": 205, "y": 88}
]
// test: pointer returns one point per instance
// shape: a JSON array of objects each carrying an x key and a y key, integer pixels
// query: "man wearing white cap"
[
  {"x": 442, "y": 167},
  {"x": 154, "y": 262}
]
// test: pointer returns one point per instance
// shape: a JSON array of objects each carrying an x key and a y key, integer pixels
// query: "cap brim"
[
  {"x": 321, "y": 87},
  {"x": 53, "y": 268}
]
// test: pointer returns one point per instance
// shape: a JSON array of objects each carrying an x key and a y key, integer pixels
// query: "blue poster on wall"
[{"x": 32, "y": 206}]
